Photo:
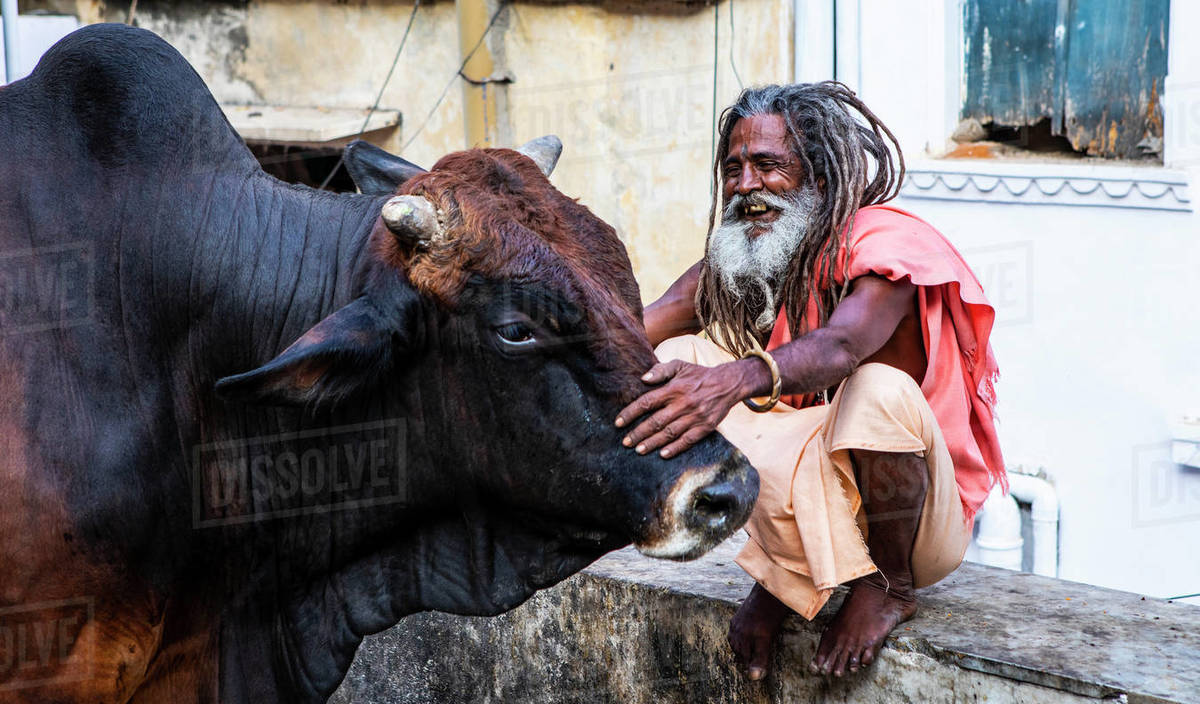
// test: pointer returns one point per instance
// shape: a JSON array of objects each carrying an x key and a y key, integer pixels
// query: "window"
[{"x": 1082, "y": 75}]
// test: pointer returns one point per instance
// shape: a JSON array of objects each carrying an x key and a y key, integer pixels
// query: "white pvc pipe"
[
  {"x": 8, "y": 8},
  {"x": 1044, "y": 500},
  {"x": 999, "y": 541}
]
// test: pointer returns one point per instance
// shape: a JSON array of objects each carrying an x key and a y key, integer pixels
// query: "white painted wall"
[
  {"x": 36, "y": 34},
  {"x": 1099, "y": 331}
]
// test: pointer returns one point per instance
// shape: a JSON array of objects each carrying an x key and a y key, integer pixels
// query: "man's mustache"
[{"x": 735, "y": 207}]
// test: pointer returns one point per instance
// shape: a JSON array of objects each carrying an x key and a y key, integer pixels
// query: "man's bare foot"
[
  {"x": 753, "y": 629},
  {"x": 869, "y": 613}
]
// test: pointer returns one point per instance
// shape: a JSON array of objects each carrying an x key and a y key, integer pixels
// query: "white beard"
[{"x": 752, "y": 269}]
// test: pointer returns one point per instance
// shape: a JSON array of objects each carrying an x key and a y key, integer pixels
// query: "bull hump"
[{"x": 135, "y": 99}]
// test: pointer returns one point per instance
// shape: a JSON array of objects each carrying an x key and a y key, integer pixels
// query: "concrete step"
[{"x": 635, "y": 630}]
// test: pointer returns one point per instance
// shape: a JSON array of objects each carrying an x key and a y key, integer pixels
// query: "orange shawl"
[{"x": 956, "y": 321}]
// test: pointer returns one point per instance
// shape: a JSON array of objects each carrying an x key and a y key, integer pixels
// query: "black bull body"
[{"x": 244, "y": 424}]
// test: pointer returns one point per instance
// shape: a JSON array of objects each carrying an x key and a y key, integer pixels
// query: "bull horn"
[
  {"x": 412, "y": 219},
  {"x": 544, "y": 151}
]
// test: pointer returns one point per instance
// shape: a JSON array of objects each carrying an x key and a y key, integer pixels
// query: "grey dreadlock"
[{"x": 833, "y": 147}]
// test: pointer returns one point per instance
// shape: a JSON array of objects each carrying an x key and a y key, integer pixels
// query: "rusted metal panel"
[
  {"x": 1009, "y": 60},
  {"x": 1117, "y": 59},
  {"x": 1095, "y": 68}
]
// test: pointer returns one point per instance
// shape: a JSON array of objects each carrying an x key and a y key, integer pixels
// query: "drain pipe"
[
  {"x": 999, "y": 541},
  {"x": 8, "y": 8},
  {"x": 1044, "y": 508}
]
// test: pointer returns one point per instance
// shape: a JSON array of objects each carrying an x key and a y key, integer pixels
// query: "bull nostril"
[
  {"x": 702, "y": 508},
  {"x": 715, "y": 501}
]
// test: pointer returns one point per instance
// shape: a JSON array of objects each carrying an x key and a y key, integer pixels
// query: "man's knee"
[
  {"x": 884, "y": 386},
  {"x": 879, "y": 407}
]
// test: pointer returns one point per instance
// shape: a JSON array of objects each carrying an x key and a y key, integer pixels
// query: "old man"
[{"x": 847, "y": 356}]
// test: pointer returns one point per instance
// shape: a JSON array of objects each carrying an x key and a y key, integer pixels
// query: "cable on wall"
[{"x": 412, "y": 16}]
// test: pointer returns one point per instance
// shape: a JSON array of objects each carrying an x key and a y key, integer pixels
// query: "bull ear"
[
  {"x": 345, "y": 352},
  {"x": 375, "y": 171},
  {"x": 544, "y": 151}
]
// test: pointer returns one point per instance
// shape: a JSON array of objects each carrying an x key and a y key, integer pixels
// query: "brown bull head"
[{"x": 506, "y": 316}]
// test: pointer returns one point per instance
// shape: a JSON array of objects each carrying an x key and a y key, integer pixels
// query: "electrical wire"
[
  {"x": 732, "y": 36},
  {"x": 712, "y": 150},
  {"x": 412, "y": 16},
  {"x": 457, "y": 74}
]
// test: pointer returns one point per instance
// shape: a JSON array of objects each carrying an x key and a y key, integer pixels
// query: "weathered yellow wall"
[
  {"x": 631, "y": 95},
  {"x": 629, "y": 91}
]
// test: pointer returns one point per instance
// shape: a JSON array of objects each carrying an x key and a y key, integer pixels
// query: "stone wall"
[{"x": 636, "y": 631}]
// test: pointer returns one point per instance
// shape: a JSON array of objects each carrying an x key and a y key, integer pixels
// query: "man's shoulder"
[
  {"x": 891, "y": 242},
  {"x": 874, "y": 219},
  {"x": 886, "y": 228}
]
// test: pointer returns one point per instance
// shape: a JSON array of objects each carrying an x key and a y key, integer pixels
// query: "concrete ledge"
[
  {"x": 631, "y": 629},
  {"x": 306, "y": 125}
]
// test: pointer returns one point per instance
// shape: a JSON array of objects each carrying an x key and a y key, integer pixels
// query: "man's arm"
[
  {"x": 691, "y": 400},
  {"x": 861, "y": 324},
  {"x": 674, "y": 313}
]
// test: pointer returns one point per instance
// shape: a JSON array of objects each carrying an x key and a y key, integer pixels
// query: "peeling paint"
[
  {"x": 636, "y": 124},
  {"x": 1101, "y": 67}
]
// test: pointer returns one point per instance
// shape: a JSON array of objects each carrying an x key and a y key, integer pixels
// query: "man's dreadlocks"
[{"x": 833, "y": 147}]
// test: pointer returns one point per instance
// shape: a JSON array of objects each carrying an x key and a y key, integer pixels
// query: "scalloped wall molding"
[{"x": 1061, "y": 190}]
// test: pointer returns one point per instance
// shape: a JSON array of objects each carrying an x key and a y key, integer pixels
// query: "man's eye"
[{"x": 515, "y": 333}]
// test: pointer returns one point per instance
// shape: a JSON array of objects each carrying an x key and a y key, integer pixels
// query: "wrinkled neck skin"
[
  {"x": 246, "y": 272},
  {"x": 306, "y": 557},
  {"x": 199, "y": 266}
]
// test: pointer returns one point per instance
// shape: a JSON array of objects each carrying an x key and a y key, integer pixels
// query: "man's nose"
[{"x": 748, "y": 182}]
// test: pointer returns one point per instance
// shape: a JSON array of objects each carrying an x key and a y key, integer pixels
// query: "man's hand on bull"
[{"x": 688, "y": 403}]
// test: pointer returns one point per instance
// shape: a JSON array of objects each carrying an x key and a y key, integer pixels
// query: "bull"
[{"x": 245, "y": 423}]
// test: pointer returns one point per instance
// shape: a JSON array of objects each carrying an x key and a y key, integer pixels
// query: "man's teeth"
[{"x": 756, "y": 209}]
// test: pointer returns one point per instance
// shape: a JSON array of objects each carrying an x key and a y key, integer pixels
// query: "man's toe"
[
  {"x": 827, "y": 651},
  {"x": 868, "y": 656},
  {"x": 760, "y": 654},
  {"x": 824, "y": 663},
  {"x": 841, "y": 655},
  {"x": 869, "y": 653}
]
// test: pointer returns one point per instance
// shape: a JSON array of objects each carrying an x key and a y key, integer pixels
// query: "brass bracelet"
[{"x": 776, "y": 380}]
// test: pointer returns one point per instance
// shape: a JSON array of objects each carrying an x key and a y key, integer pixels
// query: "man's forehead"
[{"x": 758, "y": 133}]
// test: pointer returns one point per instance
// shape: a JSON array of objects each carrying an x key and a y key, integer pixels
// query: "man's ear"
[
  {"x": 375, "y": 171},
  {"x": 345, "y": 352}
]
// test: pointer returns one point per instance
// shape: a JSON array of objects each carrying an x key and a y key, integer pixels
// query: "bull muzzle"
[{"x": 701, "y": 508}]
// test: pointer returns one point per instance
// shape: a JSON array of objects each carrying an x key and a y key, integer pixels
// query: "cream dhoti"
[{"x": 808, "y": 529}]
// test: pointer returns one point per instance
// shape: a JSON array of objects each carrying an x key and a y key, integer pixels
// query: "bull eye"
[{"x": 516, "y": 333}]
